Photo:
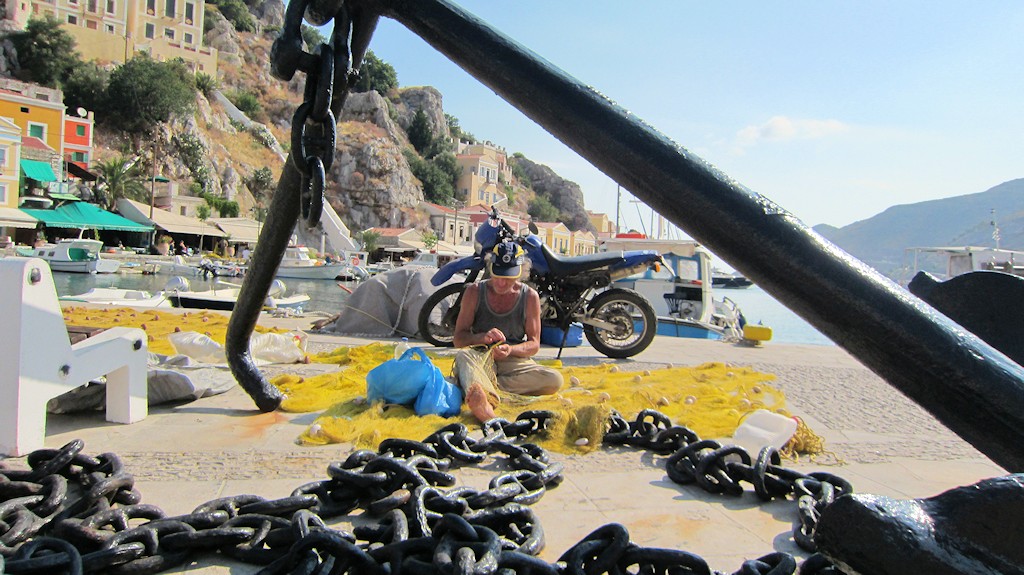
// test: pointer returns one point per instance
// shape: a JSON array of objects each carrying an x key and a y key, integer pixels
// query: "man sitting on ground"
[{"x": 498, "y": 329}]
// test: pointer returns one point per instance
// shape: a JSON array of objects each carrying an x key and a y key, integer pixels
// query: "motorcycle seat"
[{"x": 568, "y": 265}]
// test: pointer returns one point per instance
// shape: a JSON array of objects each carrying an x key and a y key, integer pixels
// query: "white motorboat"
[
  {"x": 180, "y": 266},
  {"x": 297, "y": 263},
  {"x": 224, "y": 295},
  {"x": 964, "y": 259},
  {"x": 682, "y": 296},
  {"x": 78, "y": 255},
  {"x": 119, "y": 298}
]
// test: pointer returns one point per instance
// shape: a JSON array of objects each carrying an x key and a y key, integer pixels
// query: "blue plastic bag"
[
  {"x": 439, "y": 398},
  {"x": 401, "y": 380}
]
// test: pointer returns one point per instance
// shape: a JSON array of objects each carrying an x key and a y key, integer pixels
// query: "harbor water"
[{"x": 327, "y": 296}]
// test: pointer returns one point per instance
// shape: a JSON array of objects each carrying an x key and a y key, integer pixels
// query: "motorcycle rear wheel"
[
  {"x": 634, "y": 319},
  {"x": 437, "y": 318}
]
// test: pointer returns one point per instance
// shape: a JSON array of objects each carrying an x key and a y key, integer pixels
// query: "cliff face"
[{"x": 562, "y": 193}]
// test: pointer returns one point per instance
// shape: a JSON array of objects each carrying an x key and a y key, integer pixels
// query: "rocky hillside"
[
  {"x": 370, "y": 182},
  {"x": 881, "y": 240}
]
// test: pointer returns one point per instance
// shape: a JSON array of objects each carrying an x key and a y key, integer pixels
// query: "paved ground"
[{"x": 184, "y": 455}]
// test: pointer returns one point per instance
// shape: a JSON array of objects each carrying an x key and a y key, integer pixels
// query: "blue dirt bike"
[{"x": 617, "y": 322}]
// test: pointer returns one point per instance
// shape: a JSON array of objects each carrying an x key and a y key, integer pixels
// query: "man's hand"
[
  {"x": 492, "y": 336},
  {"x": 501, "y": 352}
]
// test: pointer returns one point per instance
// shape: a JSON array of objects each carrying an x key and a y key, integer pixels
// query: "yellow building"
[
  {"x": 10, "y": 157},
  {"x": 485, "y": 172},
  {"x": 601, "y": 222},
  {"x": 583, "y": 242},
  {"x": 114, "y": 30},
  {"x": 556, "y": 236},
  {"x": 38, "y": 111}
]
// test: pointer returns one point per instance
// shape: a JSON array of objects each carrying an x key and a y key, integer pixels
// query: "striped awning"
[{"x": 15, "y": 218}]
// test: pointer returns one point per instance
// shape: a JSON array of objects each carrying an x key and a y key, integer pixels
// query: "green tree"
[
  {"x": 429, "y": 239},
  {"x": 46, "y": 53},
  {"x": 206, "y": 83},
  {"x": 120, "y": 177},
  {"x": 236, "y": 12},
  {"x": 369, "y": 239},
  {"x": 146, "y": 92},
  {"x": 202, "y": 213},
  {"x": 247, "y": 102},
  {"x": 421, "y": 133},
  {"x": 375, "y": 74},
  {"x": 541, "y": 209},
  {"x": 312, "y": 37},
  {"x": 437, "y": 184},
  {"x": 85, "y": 86}
]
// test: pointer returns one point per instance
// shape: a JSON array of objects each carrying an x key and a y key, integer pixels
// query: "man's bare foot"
[{"x": 478, "y": 403}]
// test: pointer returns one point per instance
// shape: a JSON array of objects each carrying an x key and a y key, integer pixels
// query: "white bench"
[{"x": 38, "y": 362}]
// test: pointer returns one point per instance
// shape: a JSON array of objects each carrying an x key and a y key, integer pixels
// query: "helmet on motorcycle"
[{"x": 507, "y": 260}]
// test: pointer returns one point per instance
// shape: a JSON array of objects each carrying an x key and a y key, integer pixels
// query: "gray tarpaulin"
[{"x": 387, "y": 304}]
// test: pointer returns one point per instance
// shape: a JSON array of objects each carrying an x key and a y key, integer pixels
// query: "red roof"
[{"x": 36, "y": 143}]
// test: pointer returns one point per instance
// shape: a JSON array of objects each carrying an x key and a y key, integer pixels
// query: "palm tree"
[
  {"x": 120, "y": 178},
  {"x": 202, "y": 212}
]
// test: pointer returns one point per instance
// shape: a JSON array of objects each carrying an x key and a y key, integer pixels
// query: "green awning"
[
  {"x": 83, "y": 215},
  {"x": 69, "y": 197},
  {"x": 38, "y": 171}
]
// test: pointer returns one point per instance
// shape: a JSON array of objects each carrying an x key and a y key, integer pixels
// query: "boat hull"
[{"x": 323, "y": 272}]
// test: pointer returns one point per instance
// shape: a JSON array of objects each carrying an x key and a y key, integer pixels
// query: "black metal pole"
[{"x": 972, "y": 388}]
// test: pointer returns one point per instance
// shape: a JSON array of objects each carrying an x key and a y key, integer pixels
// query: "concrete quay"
[{"x": 187, "y": 454}]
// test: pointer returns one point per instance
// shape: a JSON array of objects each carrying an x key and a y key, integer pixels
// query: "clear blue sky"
[{"x": 834, "y": 110}]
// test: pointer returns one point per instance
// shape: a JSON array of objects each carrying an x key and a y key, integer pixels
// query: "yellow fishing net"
[
  {"x": 157, "y": 324},
  {"x": 711, "y": 399}
]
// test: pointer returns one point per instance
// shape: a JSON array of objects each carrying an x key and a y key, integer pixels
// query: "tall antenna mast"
[
  {"x": 618, "y": 205},
  {"x": 995, "y": 228}
]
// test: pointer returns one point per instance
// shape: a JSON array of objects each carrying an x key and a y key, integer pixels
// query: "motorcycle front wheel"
[
  {"x": 437, "y": 318},
  {"x": 628, "y": 323}
]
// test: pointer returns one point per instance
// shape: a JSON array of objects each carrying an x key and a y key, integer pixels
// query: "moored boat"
[
  {"x": 119, "y": 298},
  {"x": 77, "y": 255},
  {"x": 682, "y": 296},
  {"x": 729, "y": 280},
  {"x": 224, "y": 295}
]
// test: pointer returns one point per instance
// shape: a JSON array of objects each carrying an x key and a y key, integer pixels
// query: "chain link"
[{"x": 79, "y": 514}]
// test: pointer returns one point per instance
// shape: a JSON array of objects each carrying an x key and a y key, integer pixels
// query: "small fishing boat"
[
  {"x": 682, "y": 296},
  {"x": 77, "y": 255},
  {"x": 729, "y": 280},
  {"x": 224, "y": 295},
  {"x": 119, "y": 298},
  {"x": 297, "y": 263}
]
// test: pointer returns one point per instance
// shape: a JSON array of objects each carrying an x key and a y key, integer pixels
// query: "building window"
[
  {"x": 110, "y": 28},
  {"x": 92, "y": 6},
  {"x": 111, "y": 8},
  {"x": 190, "y": 10},
  {"x": 79, "y": 157},
  {"x": 91, "y": 24},
  {"x": 73, "y": 20},
  {"x": 151, "y": 7},
  {"x": 150, "y": 31},
  {"x": 169, "y": 9},
  {"x": 3, "y": 157},
  {"x": 169, "y": 33},
  {"x": 188, "y": 38},
  {"x": 3, "y": 193},
  {"x": 79, "y": 130},
  {"x": 182, "y": 210},
  {"x": 37, "y": 130}
]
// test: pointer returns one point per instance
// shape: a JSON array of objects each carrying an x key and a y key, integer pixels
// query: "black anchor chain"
[
  {"x": 720, "y": 469},
  {"x": 79, "y": 514}
]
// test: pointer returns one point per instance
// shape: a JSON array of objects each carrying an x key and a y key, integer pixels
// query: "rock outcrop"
[{"x": 562, "y": 193}]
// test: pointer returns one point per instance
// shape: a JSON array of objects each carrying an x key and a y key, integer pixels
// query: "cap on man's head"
[{"x": 507, "y": 260}]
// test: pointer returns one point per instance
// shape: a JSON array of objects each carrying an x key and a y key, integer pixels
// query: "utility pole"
[{"x": 618, "y": 206}]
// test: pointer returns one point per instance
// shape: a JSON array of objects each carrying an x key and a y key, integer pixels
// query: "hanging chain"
[{"x": 329, "y": 75}]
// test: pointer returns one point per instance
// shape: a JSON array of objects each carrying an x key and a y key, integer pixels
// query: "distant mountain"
[{"x": 880, "y": 241}]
